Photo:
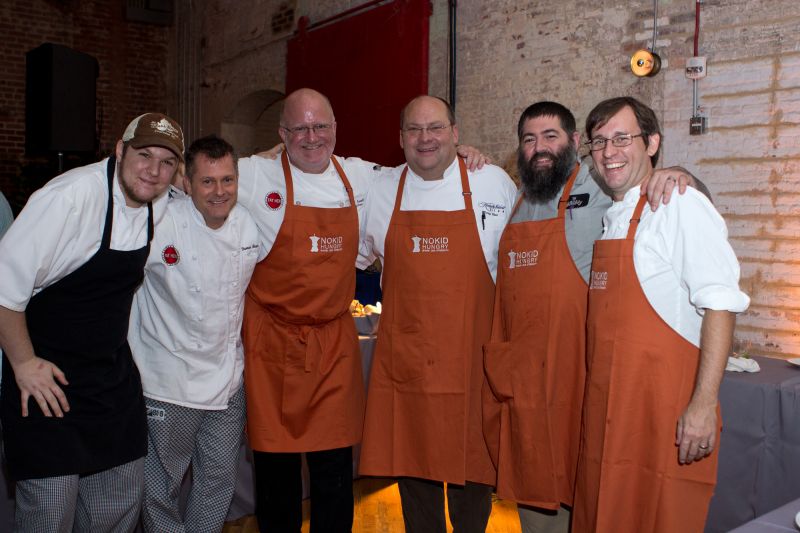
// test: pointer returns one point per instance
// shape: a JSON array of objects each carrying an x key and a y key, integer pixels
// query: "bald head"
[
  {"x": 302, "y": 99},
  {"x": 308, "y": 129},
  {"x": 431, "y": 100}
]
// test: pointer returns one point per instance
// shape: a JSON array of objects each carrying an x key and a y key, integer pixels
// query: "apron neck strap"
[
  {"x": 346, "y": 182},
  {"x": 636, "y": 217},
  {"x": 465, "y": 190},
  {"x": 287, "y": 176},
  {"x": 564, "y": 201}
]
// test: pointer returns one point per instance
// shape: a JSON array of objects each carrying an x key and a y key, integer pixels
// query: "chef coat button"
[
  {"x": 198, "y": 345},
  {"x": 235, "y": 284},
  {"x": 200, "y": 318},
  {"x": 235, "y": 254},
  {"x": 194, "y": 257}
]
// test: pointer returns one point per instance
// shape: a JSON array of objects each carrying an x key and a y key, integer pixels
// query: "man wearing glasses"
[
  {"x": 303, "y": 379},
  {"x": 435, "y": 227},
  {"x": 302, "y": 364},
  {"x": 535, "y": 362},
  {"x": 663, "y": 294}
]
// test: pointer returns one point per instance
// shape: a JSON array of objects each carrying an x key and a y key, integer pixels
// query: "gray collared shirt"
[{"x": 584, "y": 218}]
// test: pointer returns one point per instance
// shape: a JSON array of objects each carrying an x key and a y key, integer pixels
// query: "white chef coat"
[
  {"x": 60, "y": 229},
  {"x": 262, "y": 190},
  {"x": 186, "y": 321},
  {"x": 493, "y": 195},
  {"x": 682, "y": 258}
]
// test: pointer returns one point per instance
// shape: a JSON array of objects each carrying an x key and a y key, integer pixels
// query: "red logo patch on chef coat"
[
  {"x": 274, "y": 200},
  {"x": 170, "y": 256}
]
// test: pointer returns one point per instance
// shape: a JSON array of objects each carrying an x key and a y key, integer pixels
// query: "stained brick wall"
[
  {"x": 134, "y": 71},
  {"x": 577, "y": 52}
]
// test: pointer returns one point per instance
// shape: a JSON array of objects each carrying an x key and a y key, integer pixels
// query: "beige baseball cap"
[{"x": 155, "y": 129}]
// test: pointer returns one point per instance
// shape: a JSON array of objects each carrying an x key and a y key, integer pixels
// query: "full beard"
[{"x": 540, "y": 185}]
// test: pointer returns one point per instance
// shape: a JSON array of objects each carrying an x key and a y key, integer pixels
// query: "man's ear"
[{"x": 653, "y": 142}]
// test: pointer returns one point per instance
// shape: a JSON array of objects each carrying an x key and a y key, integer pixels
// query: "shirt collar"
[
  {"x": 449, "y": 172},
  {"x": 297, "y": 172}
]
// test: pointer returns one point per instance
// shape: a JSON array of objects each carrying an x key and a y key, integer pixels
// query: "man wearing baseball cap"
[{"x": 71, "y": 407}]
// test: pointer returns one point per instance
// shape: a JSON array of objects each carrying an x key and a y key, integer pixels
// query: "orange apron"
[
  {"x": 640, "y": 378},
  {"x": 424, "y": 410},
  {"x": 535, "y": 365},
  {"x": 302, "y": 364}
]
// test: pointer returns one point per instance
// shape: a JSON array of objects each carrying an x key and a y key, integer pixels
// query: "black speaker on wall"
[{"x": 60, "y": 100}]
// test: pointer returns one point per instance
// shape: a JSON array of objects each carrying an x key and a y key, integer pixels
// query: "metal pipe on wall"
[{"x": 452, "y": 5}]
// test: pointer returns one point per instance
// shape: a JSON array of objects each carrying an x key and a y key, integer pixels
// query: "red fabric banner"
[{"x": 369, "y": 65}]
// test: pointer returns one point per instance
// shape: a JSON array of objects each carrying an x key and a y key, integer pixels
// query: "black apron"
[{"x": 80, "y": 323}]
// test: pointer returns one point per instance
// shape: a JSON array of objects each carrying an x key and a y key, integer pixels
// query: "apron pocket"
[
  {"x": 410, "y": 351},
  {"x": 499, "y": 368}
]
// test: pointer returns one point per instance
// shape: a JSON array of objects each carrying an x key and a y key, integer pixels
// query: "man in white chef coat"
[{"x": 185, "y": 336}]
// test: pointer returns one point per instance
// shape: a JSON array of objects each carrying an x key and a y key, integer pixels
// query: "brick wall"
[
  {"x": 751, "y": 156},
  {"x": 134, "y": 74},
  {"x": 577, "y": 53},
  {"x": 512, "y": 53}
]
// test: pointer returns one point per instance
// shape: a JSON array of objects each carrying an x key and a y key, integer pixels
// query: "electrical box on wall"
[
  {"x": 697, "y": 125},
  {"x": 696, "y": 68}
]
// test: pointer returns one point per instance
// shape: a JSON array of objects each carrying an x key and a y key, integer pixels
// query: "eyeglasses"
[
  {"x": 433, "y": 129},
  {"x": 302, "y": 131},
  {"x": 618, "y": 141}
]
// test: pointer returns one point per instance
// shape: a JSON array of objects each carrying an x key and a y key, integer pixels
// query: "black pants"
[
  {"x": 469, "y": 506},
  {"x": 279, "y": 491}
]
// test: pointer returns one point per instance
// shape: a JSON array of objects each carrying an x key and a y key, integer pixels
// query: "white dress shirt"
[
  {"x": 60, "y": 229},
  {"x": 493, "y": 195},
  {"x": 682, "y": 258},
  {"x": 186, "y": 321}
]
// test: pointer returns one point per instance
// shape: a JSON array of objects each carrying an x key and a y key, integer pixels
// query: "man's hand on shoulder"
[
  {"x": 661, "y": 184},
  {"x": 473, "y": 157},
  {"x": 36, "y": 378}
]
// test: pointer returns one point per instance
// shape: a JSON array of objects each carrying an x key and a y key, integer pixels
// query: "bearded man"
[{"x": 535, "y": 361}]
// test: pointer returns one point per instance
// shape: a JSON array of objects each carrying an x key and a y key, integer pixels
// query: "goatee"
[{"x": 542, "y": 184}]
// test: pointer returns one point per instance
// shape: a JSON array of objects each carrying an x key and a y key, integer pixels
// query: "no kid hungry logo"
[
  {"x": 525, "y": 258},
  {"x": 326, "y": 244},
  {"x": 429, "y": 244},
  {"x": 599, "y": 280}
]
